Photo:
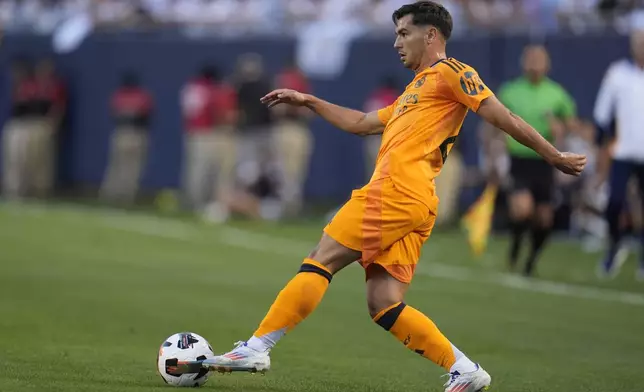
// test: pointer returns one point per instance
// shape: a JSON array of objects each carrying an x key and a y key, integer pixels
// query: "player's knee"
[
  {"x": 522, "y": 207},
  {"x": 384, "y": 292},
  {"x": 333, "y": 255},
  {"x": 376, "y": 306},
  {"x": 521, "y": 214},
  {"x": 379, "y": 303},
  {"x": 544, "y": 217}
]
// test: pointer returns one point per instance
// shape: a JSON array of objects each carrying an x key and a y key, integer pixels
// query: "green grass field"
[{"x": 87, "y": 297}]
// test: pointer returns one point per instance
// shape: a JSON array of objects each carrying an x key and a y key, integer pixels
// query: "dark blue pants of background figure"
[{"x": 620, "y": 174}]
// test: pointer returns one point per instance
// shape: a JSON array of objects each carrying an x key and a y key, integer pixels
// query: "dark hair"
[{"x": 427, "y": 13}]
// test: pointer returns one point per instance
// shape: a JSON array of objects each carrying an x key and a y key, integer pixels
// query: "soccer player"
[
  {"x": 546, "y": 106},
  {"x": 384, "y": 224},
  {"x": 619, "y": 102}
]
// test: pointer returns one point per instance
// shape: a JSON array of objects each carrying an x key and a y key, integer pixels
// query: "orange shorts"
[{"x": 388, "y": 227}]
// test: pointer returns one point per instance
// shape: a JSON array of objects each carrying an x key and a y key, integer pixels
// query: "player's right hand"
[
  {"x": 570, "y": 163},
  {"x": 287, "y": 96}
]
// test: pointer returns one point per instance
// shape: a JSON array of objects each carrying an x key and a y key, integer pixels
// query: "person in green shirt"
[{"x": 545, "y": 105}]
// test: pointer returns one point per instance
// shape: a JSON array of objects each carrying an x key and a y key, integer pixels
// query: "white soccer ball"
[{"x": 184, "y": 346}]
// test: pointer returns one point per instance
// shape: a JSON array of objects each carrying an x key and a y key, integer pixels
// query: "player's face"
[
  {"x": 410, "y": 42},
  {"x": 536, "y": 62}
]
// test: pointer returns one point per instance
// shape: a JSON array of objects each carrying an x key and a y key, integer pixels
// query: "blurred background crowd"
[
  {"x": 176, "y": 119},
  {"x": 289, "y": 16}
]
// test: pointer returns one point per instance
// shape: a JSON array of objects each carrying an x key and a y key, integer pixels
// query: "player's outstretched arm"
[
  {"x": 494, "y": 112},
  {"x": 349, "y": 120}
]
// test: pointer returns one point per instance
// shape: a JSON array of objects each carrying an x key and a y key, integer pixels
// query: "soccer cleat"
[
  {"x": 476, "y": 381},
  {"x": 612, "y": 264},
  {"x": 241, "y": 359}
]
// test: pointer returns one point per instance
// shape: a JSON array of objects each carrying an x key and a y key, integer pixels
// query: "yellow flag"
[{"x": 477, "y": 222}]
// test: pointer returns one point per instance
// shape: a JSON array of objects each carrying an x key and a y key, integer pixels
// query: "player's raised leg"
[
  {"x": 417, "y": 332},
  {"x": 297, "y": 300}
]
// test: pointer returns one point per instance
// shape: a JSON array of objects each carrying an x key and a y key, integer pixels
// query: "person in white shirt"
[{"x": 619, "y": 103}]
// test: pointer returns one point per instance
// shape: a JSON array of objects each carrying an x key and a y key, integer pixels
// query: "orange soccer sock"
[
  {"x": 418, "y": 333},
  {"x": 294, "y": 303}
]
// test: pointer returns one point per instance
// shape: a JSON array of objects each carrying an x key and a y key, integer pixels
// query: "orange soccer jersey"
[
  {"x": 390, "y": 218},
  {"x": 422, "y": 125}
]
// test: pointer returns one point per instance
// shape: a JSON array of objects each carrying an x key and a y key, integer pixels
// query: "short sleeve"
[
  {"x": 567, "y": 107},
  {"x": 464, "y": 83},
  {"x": 504, "y": 94},
  {"x": 384, "y": 114}
]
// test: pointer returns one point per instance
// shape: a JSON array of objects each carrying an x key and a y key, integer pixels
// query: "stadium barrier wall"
[{"x": 165, "y": 61}]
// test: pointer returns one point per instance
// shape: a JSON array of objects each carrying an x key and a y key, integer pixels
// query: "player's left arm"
[
  {"x": 494, "y": 112},
  {"x": 463, "y": 84}
]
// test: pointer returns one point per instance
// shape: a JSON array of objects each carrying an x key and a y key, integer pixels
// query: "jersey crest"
[{"x": 420, "y": 82}]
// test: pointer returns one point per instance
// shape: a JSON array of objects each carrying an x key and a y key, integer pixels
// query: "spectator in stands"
[
  {"x": 300, "y": 13},
  {"x": 237, "y": 17},
  {"x": 131, "y": 108},
  {"x": 457, "y": 9},
  {"x": 495, "y": 15},
  {"x": 379, "y": 13},
  {"x": 255, "y": 119},
  {"x": 19, "y": 130},
  {"x": 258, "y": 16},
  {"x": 51, "y": 109},
  {"x": 208, "y": 107},
  {"x": 625, "y": 15},
  {"x": 384, "y": 95},
  {"x": 578, "y": 15},
  {"x": 294, "y": 142}
]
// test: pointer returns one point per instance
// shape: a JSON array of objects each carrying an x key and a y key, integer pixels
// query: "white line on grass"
[
  {"x": 250, "y": 240},
  {"x": 150, "y": 226},
  {"x": 534, "y": 285}
]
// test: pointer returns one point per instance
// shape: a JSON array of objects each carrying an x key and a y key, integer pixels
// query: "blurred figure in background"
[
  {"x": 619, "y": 105},
  {"x": 294, "y": 142},
  {"x": 255, "y": 121},
  {"x": 208, "y": 108},
  {"x": 384, "y": 95},
  {"x": 51, "y": 109},
  {"x": 18, "y": 131},
  {"x": 545, "y": 105},
  {"x": 131, "y": 108},
  {"x": 586, "y": 220},
  {"x": 494, "y": 15},
  {"x": 258, "y": 192}
]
